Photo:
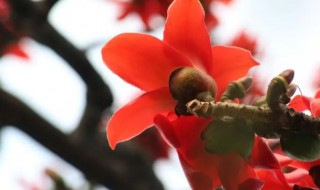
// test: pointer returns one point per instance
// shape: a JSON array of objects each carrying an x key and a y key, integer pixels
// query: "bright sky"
[{"x": 288, "y": 31}]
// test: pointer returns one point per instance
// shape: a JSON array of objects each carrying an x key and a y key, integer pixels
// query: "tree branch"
[
  {"x": 126, "y": 169},
  {"x": 28, "y": 18}
]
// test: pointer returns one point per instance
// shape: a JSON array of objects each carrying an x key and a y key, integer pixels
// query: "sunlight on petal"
[{"x": 132, "y": 119}]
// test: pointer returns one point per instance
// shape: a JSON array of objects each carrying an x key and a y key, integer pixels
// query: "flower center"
[{"x": 187, "y": 83}]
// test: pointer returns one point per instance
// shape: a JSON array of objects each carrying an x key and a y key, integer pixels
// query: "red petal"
[
  {"x": 315, "y": 107},
  {"x": 16, "y": 49},
  {"x": 317, "y": 95},
  {"x": 233, "y": 169},
  {"x": 142, "y": 60},
  {"x": 300, "y": 103},
  {"x": 296, "y": 176},
  {"x": 211, "y": 21},
  {"x": 226, "y": 1},
  {"x": 186, "y": 31},
  {"x": 197, "y": 179},
  {"x": 304, "y": 165},
  {"x": 302, "y": 178},
  {"x": 190, "y": 128},
  {"x": 262, "y": 156},
  {"x": 164, "y": 125},
  {"x": 252, "y": 184},
  {"x": 127, "y": 8},
  {"x": 273, "y": 179},
  {"x": 135, "y": 117},
  {"x": 283, "y": 160},
  {"x": 229, "y": 64},
  {"x": 243, "y": 40}
]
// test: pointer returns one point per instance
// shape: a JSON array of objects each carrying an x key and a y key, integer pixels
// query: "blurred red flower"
[
  {"x": 8, "y": 36},
  {"x": 316, "y": 79},
  {"x": 146, "y": 9},
  {"x": 302, "y": 103},
  {"x": 245, "y": 41},
  {"x": 4, "y": 10}
]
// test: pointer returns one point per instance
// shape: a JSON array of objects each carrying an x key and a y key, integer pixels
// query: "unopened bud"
[
  {"x": 236, "y": 89},
  {"x": 288, "y": 75},
  {"x": 187, "y": 84}
]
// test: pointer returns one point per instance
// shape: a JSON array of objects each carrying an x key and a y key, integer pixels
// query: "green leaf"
[
  {"x": 233, "y": 135},
  {"x": 301, "y": 146}
]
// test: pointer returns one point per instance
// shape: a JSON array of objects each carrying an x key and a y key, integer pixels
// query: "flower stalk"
[{"x": 274, "y": 112}]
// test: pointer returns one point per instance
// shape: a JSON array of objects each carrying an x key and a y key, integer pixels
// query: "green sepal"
[
  {"x": 225, "y": 136},
  {"x": 301, "y": 146},
  {"x": 276, "y": 88},
  {"x": 267, "y": 130}
]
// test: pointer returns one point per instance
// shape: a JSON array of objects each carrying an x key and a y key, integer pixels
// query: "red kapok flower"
[
  {"x": 4, "y": 10},
  {"x": 245, "y": 41},
  {"x": 8, "y": 36},
  {"x": 316, "y": 80},
  {"x": 302, "y": 103},
  {"x": 292, "y": 173},
  {"x": 147, "y": 62},
  {"x": 146, "y": 9},
  {"x": 206, "y": 171},
  {"x": 15, "y": 49}
]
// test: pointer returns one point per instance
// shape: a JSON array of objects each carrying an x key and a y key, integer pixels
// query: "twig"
[
  {"x": 285, "y": 118},
  {"x": 273, "y": 112}
]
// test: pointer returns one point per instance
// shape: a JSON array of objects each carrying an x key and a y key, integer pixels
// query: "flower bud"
[
  {"x": 187, "y": 84},
  {"x": 288, "y": 75}
]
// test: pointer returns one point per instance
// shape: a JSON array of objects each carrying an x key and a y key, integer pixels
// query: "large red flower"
[{"x": 147, "y": 63}]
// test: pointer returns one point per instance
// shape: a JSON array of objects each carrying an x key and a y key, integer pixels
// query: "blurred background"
[{"x": 46, "y": 77}]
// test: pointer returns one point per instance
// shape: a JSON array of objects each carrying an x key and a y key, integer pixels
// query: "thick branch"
[
  {"x": 30, "y": 19},
  {"x": 13, "y": 112},
  {"x": 107, "y": 170}
]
